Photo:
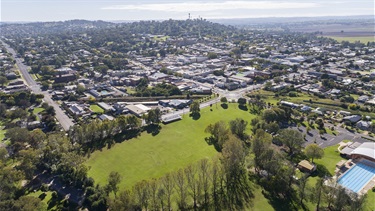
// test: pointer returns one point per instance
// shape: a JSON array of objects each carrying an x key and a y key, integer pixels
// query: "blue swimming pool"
[{"x": 357, "y": 177}]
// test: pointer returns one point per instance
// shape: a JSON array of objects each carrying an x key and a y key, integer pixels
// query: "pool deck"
[
  {"x": 342, "y": 167},
  {"x": 367, "y": 187}
]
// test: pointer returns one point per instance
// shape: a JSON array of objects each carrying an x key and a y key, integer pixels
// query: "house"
[
  {"x": 65, "y": 78},
  {"x": 363, "y": 98},
  {"x": 232, "y": 85},
  {"x": 306, "y": 109},
  {"x": 169, "y": 119},
  {"x": 76, "y": 110},
  {"x": 201, "y": 90},
  {"x": 352, "y": 118},
  {"x": 158, "y": 77},
  {"x": 344, "y": 113},
  {"x": 363, "y": 125},
  {"x": 365, "y": 150},
  {"x": 33, "y": 125},
  {"x": 104, "y": 117},
  {"x": 138, "y": 110},
  {"x": 105, "y": 107},
  {"x": 288, "y": 104},
  {"x": 306, "y": 166},
  {"x": 179, "y": 104},
  {"x": 11, "y": 76}
]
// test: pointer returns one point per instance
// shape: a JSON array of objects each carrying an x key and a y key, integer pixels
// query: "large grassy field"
[
  {"x": 177, "y": 145},
  {"x": 354, "y": 39}
]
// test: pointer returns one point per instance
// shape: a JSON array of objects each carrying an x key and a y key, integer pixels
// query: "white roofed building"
[{"x": 365, "y": 150}]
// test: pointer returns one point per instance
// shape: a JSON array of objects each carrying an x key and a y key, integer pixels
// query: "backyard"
[{"x": 96, "y": 109}]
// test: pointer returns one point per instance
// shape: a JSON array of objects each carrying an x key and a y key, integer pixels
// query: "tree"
[
  {"x": 320, "y": 123},
  {"x": 142, "y": 194},
  {"x": 219, "y": 134},
  {"x": 293, "y": 139},
  {"x": 238, "y": 128},
  {"x": 153, "y": 116},
  {"x": 302, "y": 188},
  {"x": 167, "y": 183},
  {"x": 114, "y": 179},
  {"x": 80, "y": 89},
  {"x": 223, "y": 100},
  {"x": 212, "y": 55},
  {"x": 317, "y": 192},
  {"x": 203, "y": 175},
  {"x": 313, "y": 151},
  {"x": 194, "y": 108},
  {"x": 122, "y": 203},
  {"x": 28, "y": 203},
  {"x": 193, "y": 183},
  {"x": 277, "y": 80},
  {"x": 29, "y": 161},
  {"x": 241, "y": 101},
  {"x": 237, "y": 185},
  {"x": 181, "y": 188},
  {"x": 269, "y": 115},
  {"x": 19, "y": 137},
  {"x": 3, "y": 80}
]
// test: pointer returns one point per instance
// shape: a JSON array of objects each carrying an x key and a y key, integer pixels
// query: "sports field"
[{"x": 177, "y": 145}]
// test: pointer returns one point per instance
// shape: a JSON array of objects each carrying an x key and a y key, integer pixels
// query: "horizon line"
[{"x": 164, "y": 19}]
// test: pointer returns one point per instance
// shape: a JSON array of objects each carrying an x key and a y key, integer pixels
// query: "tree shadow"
[
  {"x": 243, "y": 107},
  {"x": 126, "y": 135},
  {"x": 321, "y": 171},
  {"x": 42, "y": 196},
  {"x": 51, "y": 203},
  {"x": 195, "y": 116},
  {"x": 224, "y": 105},
  {"x": 153, "y": 129},
  {"x": 278, "y": 202}
]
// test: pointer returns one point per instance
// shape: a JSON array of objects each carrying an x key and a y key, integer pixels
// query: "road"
[
  {"x": 63, "y": 119},
  {"x": 222, "y": 93}
]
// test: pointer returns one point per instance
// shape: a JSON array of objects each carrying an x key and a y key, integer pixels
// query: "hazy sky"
[{"x": 54, "y": 10}]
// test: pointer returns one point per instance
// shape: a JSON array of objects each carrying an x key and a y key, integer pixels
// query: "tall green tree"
[
  {"x": 313, "y": 151},
  {"x": 114, "y": 179},
  {"x": 238, "y": 189},
  {"x": 195, "y": 108},
  {"x": 238, "y": 128},
  {"x": 292, "y": 139},
  {"x": 219, "y": 134}
]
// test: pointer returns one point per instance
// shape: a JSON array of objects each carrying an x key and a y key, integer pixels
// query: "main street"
[{"x": 63, "y": 119}]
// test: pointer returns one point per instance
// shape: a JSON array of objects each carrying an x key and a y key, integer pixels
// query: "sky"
[{"x": 112, "y": 10}]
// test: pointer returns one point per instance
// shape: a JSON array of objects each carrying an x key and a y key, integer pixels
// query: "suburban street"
[{"x": 61, "y": 117}]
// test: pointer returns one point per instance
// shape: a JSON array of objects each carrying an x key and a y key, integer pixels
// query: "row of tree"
[{"x": 220, "y": 184}]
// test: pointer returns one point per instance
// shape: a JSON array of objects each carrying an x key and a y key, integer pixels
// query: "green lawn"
[
  {"x": 177, "y": 145},
  {"x": 330, "y": 159},
  {"x": 44, "y": 196},
  {"x": 36, "y": 111},
  {"x": 260, "y": 202},
  {"x": 370, "y": 201},
  {"x": 96, "y": 109},
  {"x": 354, "y": 39}
]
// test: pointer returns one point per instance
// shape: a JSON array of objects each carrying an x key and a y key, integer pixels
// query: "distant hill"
[{"x": 247, "y": 21}]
